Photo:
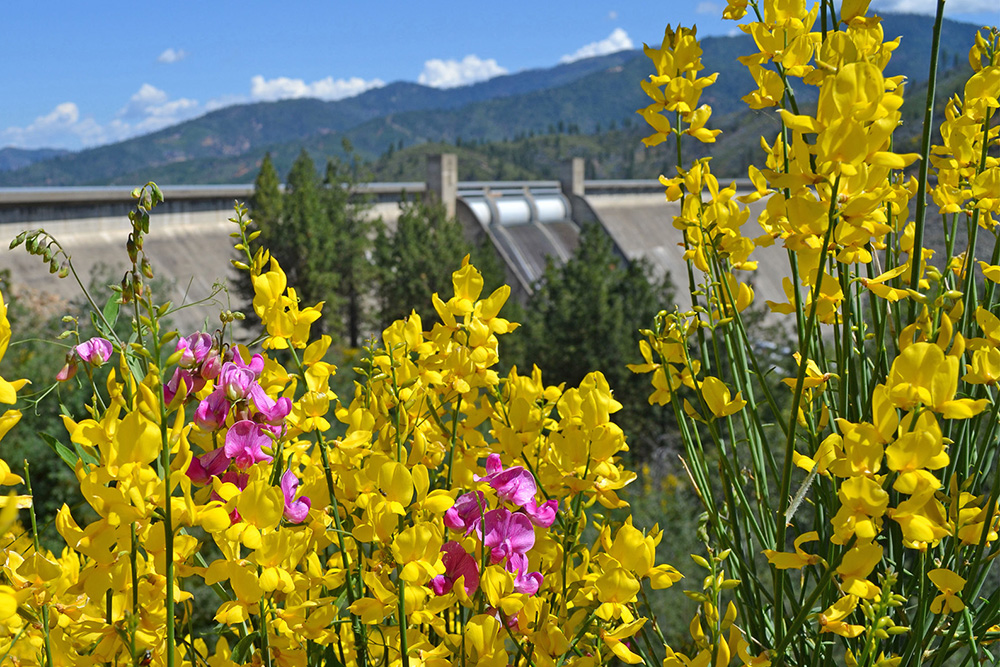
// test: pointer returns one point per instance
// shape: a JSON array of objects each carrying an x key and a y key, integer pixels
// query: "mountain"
[
  {"x": 227, "y": 145},
  {"x": 18, "y": 158},
  {"x": 234, "y": 130}
]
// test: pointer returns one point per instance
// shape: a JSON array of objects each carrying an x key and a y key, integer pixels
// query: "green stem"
[
  {"x": 265, "y": 649},
  {"x": 34, "y": 538},
  {"x": 786, "y": 475},
  {"x": 403, "y": 648},
  {"x": 805, "y": 609},
  {"x": 360, "y": 634},
  {"x": 916, "y": 256},
  {"x": 168, "y": 524}
]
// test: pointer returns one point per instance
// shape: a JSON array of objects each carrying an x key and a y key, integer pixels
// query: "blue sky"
[{"x": 78, "y": 74}]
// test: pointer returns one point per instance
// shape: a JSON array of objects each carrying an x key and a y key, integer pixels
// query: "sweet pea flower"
[
  {"x": 467, "y": 512},
  {"x": 194, "y": 349},
  {"x": 95, "y": 351},
  {"x": 236, "y": 381},
  {"x": 204, "y": 467},
  {"x": 211, "y": 366},
  {"x": 507, "y": 534},
  {"x": 244, "y": 441},
  {"x": 67, "y": 371},
  {"x": 174, "y": 384},
  {"x": 524, "y": 581},
  {"x": 514, "y": 485},
  {"x": 212, "y": 410},
  {"x": 457, "y": 564},
  {"x": 255, "y": 366},
  {"x": 295, "y": 510},
  {"x": 270, "y": 411},
  {"x": 239, "y": 381},
  {"x": 543, "y": 515}
]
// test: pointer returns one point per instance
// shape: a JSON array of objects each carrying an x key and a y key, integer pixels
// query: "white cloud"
[
  {"x": 63, "y": 126},
  {"x": 618, "y": 40},
  {"x": 612, "y": 15},
  {"x": 148, "y": 110},
  {"x": 172, "y": 55},
  {"x": 151, "y": 109},
  {"x": 708, "y": 8},
  {"x": 930, "y": 6},
  {"x": 452, "y": 73},
  {"x": 282, "y": 87}
]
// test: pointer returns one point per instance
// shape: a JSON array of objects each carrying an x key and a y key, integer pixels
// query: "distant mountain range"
[
  {"x": 18, "y": 158},
  {"x": 596, "y": 97}
]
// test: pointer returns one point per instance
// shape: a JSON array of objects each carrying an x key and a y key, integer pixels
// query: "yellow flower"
[
  {"x": 832, "y": 620},
  {"x": 922, "y": 374},
  {"x": 8, "y": 389},
  {"x": 950, "y": 585},
  {"x": 717, "y": 397},
  {"x": 797, "y": 560},
  {"x": 616, "y": 589},
  {"x": 614, "y": 640},
  {"x": 862, "y": 502}
]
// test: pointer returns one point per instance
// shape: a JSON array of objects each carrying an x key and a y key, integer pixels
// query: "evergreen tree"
[
  {"x": 266, "y": 205},
  {"x": 585, "y": 316},
  {"x": 418, "y": 259},
  {"x": 265, "y": 210},
  {"x": 308, "y": 248},
  {"x": 353, "y": 232}
]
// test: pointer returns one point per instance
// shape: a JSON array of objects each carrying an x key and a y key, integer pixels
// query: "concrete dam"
[{"x": 190, "y": 247}]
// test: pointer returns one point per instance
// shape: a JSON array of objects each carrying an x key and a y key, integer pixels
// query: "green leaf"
[
  {"x": 133, "y": 362},
  {"x": 64, "y": 452},
  {"x": 111, "y": 309},
  {"x": 243, "y": 648},
  {"x": 85, "y": 456}
]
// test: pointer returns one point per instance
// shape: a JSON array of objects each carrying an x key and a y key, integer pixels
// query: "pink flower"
[
  {"x": 244, "y": 441},
  {"x": 514, "y": 485},
  {"x": 212, "y": 366},
  {"x": 95, "y": 351},
  {"x": 194, "y": 349},
  {"x": 256, "y": 365},
  {"x": 295, "y": 510},
  {"x": 67, "y": 371},
  {"x": 236, "y": 381},
  {"x": 211, "y": 413},
  {"x": 206, "y": 466},
  {"x": 543, "y": 515},
  {"x": 271, "y": 411},
  {"x": 524, "y": 581},
  {"x": 467, "y": 512},
  {"x": 507, "y": 534},
  {"x": 174, "y": 384},
  {"x": 457, "y": 563}
]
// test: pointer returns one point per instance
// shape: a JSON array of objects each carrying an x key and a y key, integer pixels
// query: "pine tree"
[
  {"x": 308, "y": 247},
  {"x": 417, "y": 260},
  {"x": 265, "y": 211},
  {"x": 353, "y": 231},
  {"x": 266, "y": 205},
  {"x": 585, "y": 316}
]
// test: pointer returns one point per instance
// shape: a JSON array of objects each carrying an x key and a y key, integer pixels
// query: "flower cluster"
[
  {"x": 94, "y": 352},
  {"x": 437, "y": 516},
  {"x": 507, "y": 535},
  {"x": 893, "y": 403}
]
